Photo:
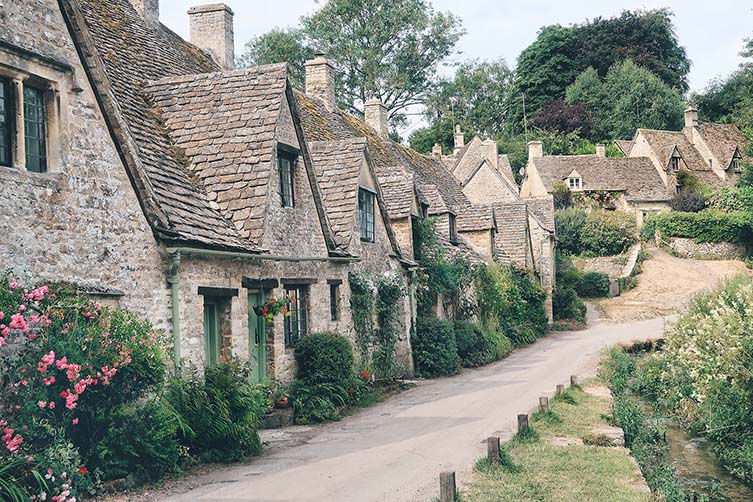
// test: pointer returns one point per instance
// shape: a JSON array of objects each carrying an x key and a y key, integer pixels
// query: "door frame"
[{"x": 257, "y": 335}]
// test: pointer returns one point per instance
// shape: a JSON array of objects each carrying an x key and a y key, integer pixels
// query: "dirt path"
[{"x": 666, "y": 285}]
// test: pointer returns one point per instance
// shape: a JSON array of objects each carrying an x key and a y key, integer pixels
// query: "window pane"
[
  {"x": 35, "y": 129},
  {"x": 366, "y": 214},
  {"x": 334, "y": 294},
  {"x": 210, "y": 333},
  {"x": 286, "y": 168}
]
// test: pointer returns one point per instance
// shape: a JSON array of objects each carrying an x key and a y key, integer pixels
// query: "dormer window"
[
  {"x": 575, "y": 183},
  {"x": 736, "y": 165},
  {"x": 286, "y": 167},
  {"x": 674, "y": 164},
  {"x": 424, "y": 210},
  {"x": 453, "y": 228},
  {"x": 366, "y": 214}
]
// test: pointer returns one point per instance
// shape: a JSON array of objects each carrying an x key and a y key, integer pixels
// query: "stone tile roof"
[
  {"x": 338, "y": 165},
  {"x": 463, "y": 248},
  {"x": 121, "y": 53},
  {"x": 399, "y": 189},
  {"x": 224, "y": 125},
  {"x": 636, "y": 176},
  {"x": 723, "y": 140},
  {"x": 476, "y": 218},
  {"x": 624, "y": 145},
  {"x": 511, "y": 240},
  {"x": 505, "y": 168},
  {"x": 664, "y": 143},
  {"x": 543, "y": 210}
]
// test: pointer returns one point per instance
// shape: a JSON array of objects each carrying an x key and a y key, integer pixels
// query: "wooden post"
[
  {"x": 492, "y": 449},
  {"x": 560, "y": 389},
  {"x": 573, "y": 381},
  {"x": 522, "y": 424},
  {"x": 447, "y": 486},
  {"x": 544, "y": 404}
]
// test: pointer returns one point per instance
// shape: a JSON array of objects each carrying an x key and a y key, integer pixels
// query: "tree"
[
  {"x": 277, "y": 46},
  {"x": 629, "y": 97},
  {"x": 559, "y": 116},
  {"x": 559, "y": 54},
  {"x": 386, "y": 49},
  {"x": 474, "y": 98}
]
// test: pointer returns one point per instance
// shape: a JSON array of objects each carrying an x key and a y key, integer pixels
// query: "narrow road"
[{"x": 394, "y": 451}]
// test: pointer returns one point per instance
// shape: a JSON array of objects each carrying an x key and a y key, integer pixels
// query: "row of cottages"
[
  {"x": 651, "y": 172},
  {"x": 146, "y": 172}
]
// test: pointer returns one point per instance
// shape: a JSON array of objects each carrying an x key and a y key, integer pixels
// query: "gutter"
[{"x": 174, "y": 293}]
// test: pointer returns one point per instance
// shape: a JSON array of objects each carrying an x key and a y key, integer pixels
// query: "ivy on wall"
[
  {"x": 390, "y": 291},
  {"x": 362, "y": 312}
]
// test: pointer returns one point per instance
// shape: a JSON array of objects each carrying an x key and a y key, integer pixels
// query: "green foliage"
[
  {"x": 567, "y": 305},
  {"x": 279, "y": 46},
  {"x": 607, "y": 233},
  {"x": 563, "y": 198},
  {"x": 475, "y": 347},
  {"x": 729, "y": 199},
  {"x": 325, "y": 358},
  {"x": 317, "y": 402},
  {"x": 435, "y": 351},
  {"x": 362, "y": 312},
  {"x": 706, "y": 226},
  {"x": 559, "y": 54},
  {"x": 217, "y": 415},
  {"x": 627, "y": 98},
  {"x": 390, "y": 292},
  {"x": 592, "y": 285},
  {"x": 506, "y": 462},
  {"x": 687, "y": 201},
  {"x": 19, "y": 480},
  {"x": 569, "y": 224}
]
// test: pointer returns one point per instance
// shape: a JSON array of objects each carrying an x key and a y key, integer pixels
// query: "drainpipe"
[{"x": 175, "y": 294}]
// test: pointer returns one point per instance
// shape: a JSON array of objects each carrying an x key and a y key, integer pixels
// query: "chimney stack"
[
  {"x": 459, "y": 139},
  {"x": 375, "y": 114},
  {"x": 436, "y": 151},
  {"x": 148, "y": 9},
  {"x": 535, "y": 150},
  {"x": 490, "y": 150},
  {"x": 601, "y": 150},
  {"x": 212, "y": 30},
  {"x": 320, "y": 80},
  {"x": 691, "y": 116}
]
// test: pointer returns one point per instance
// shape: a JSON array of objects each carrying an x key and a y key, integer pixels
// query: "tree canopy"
[{"x": 279, "y": 46}]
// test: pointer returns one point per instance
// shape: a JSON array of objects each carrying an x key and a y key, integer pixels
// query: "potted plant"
[
  {"x": 273, "y": 307},
  {"x": 280, "y": 397}
]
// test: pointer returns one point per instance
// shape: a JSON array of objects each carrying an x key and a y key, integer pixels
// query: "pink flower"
[
  {"x": 74, "y": 421},
  {"x": 49, "y": 381},
  {"x": 4, "y": 330},
  {"x": 38, "y": 294},
  {"x": 22, "y": 308},
  {"x": 2, "y": 341},
  {"x": 62, "y": 363},
  {"x": 51, "y": 405},
  {"x": 70, "y": 400},
  {"x": 17, "y": 321},
  {"x": 13, "y": 284},
  {"x": 2, "y": 315},
  {"x": 42, "y": 404},
  {"x": 74, "y": 371},
  {"x": 80, "y": 387}
]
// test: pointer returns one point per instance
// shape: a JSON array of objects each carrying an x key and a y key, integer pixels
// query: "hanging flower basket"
[{"x": 274, "y": 307}]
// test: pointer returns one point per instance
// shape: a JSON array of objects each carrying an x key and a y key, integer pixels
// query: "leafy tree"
[
  {"x": 388, "y": 49},
  {"x": 627, "y": 98},
  {"x": 559, "y": 54},
  {"x": 559, "y": 116},
  {"x": 277, "y": 46}
]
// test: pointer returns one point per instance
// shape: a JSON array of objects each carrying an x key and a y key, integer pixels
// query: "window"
[
  {"x": 424, "y": 211},
  {"x": 296, "y": 324},
  {"x": 286, "y": 167},
  {"x": 453, "y": 228},
  {"x": 6, "y": 123},
  {"x": 736, "y": 167},
  {"x": 211, "y": 335},
  {"x": 575, "y": 183},
  {"x": 366, "y": 212},
  {"x": 674, "y": 164},
  {"x": 35, "y": 130},
  {"x": 334, "y": 302}
]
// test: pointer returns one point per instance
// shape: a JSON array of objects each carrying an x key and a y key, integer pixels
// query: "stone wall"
[
  {"x": 81, "y": 222},
  {"x": 686, "y": 248}
]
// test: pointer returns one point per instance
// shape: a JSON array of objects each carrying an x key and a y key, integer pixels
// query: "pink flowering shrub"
[{"x": 67, "y": 367}]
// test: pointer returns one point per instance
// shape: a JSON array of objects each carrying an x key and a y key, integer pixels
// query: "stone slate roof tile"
[
  {"x": 476, "y": 218},
  {"x": 543, "y": 210},
  {"x": 399, "y": 190},
  {"x": 232, "y": 147},
  {"x": 723, "y": 140},
  {"x": 663, "y": 143},
  {"x": 511, "y": 240},
  {"x": 624, "y": 145},
  {"x": 636, "y": 176}
]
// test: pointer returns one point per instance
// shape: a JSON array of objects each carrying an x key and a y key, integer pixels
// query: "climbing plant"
[
  {"x": 390, "y": 290},
  {"x": 362, "y": 312}
]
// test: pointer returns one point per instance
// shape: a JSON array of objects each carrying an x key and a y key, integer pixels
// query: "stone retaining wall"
[{"x": 686, "y": 248}]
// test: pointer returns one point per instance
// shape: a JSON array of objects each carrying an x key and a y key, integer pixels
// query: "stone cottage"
[
  {"x": 162, "y": 180},
  {"x": 631, "y": 184},
  {"x": 711, "y": 153}
]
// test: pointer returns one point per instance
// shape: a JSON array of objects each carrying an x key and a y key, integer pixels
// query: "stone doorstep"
[{"x": 277, "y": 418}]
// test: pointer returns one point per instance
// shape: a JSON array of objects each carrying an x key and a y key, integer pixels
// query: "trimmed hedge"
[
  {"x": 598, "y": 233},
  {"x": 568, "y": 306},
  {"x": 592, "y": 285},
  {"x": 706, "y": 226},
  {"x": 325, "y": 358},
  {"x": 435, "y": 351}
]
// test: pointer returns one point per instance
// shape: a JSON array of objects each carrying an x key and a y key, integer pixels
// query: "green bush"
[
  {"x": 475, "y": 348},
  {"x": 502, "y": 344},
  {"x": 325, "y": 358},
  {"x": 607, "y": 233},
  {"x": 729, "y": 199},
  {"x": 706, "y": 226},
  {"x": 592, "y": 285},
  {"x": 435, "y": 352},
  {"x": 320, "y": 402},
  {"x": 569, "y": 224},
  {"x": 217, "y": 416},
  {"x": 691, "y": 202}
]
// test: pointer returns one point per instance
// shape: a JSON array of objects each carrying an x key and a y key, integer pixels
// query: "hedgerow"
[{"x": 706, "y": 226}]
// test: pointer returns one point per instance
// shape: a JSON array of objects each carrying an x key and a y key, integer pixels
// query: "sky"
[{"x": 712, "y": 31}]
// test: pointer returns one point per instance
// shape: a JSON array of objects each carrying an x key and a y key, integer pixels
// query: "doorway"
[{"x": 257, "y": 337}]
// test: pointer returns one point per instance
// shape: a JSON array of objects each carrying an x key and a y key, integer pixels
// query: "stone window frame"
[
  {"x": 366, "y": 214},
  {"x": 334, "y": 299},
  {"x": 26, "y": 69},
  {"x": 453, "y": 227},
  {"x": 736, "y": 165},
  {"x": 674, "y": 163},
  {"x": 287, "y": 160},
  {"x": 295, "y": 326}
]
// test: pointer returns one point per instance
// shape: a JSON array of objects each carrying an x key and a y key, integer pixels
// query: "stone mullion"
[{"x": 19, "y": 153}]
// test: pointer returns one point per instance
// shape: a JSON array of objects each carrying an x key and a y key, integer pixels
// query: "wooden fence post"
[
  {"x": 573, "y": 381},
  {"x": 544, "y": 404},
  {"x": 447, "y": 489},
  {"x": 522, "y": 424},
  {"x": 560, "y": 389},
  {"x": 492, "y": 449}
]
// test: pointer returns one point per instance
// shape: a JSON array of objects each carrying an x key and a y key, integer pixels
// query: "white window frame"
[{"x": 575, "y": 183}]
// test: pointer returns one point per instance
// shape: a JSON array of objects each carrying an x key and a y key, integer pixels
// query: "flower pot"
[{"x": 281, "y": 402}]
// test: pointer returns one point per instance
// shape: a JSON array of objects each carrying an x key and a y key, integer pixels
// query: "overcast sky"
[{"x": 712, "y": 31}]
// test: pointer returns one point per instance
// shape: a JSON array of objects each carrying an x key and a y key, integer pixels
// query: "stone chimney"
[
  {"x": 375, "y": 114},
  {"x": 601, "y": 150},
  {"x": 320, "y": 80},
  {"x": 490, "y": 150},
  {"x": 535, "y": 150},
  {"x": 212, "y": 30},
  {"x": 691, "y": 116},
  {"x": 459, "y": 139},
  {"x": 148, "y": 9},
  {"x": 436, "y": 151}
]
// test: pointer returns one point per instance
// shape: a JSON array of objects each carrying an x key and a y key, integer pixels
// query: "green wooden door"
[
  {"x": 211, "y": 341},
  {"x": 257, "y": 337}
]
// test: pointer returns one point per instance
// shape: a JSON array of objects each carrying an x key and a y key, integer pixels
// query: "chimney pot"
[
  {"x": 436, "y": 150},
  {"x": 320, "y": 80},
  {"x": 375, "y": 115},
  {"x": 212, "y": 30},
  {"x": 691, "y": 116},
  {"x": 535, "y": 150},
  {"x": 459, "y": 139},
  {"x": 601, "y": 150},
  {"x": 147, "y": 9}
]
